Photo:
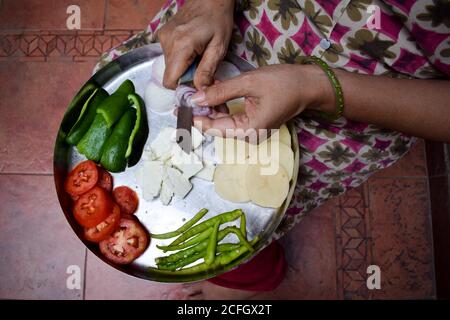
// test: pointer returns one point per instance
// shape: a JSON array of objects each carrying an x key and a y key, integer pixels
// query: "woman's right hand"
[{"x": 200, "y": 27}]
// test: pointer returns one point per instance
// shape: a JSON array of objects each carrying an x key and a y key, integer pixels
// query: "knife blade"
[{"x": 184, "y": 117}]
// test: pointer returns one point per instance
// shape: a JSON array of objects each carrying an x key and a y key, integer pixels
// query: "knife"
[{"x": 184, "y": 117}]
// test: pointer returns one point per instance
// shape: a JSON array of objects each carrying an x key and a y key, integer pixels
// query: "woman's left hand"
[{"x": 273, "y": 95}]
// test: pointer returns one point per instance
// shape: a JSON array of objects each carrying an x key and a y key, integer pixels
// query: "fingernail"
[{"x": 199, "y": 98}]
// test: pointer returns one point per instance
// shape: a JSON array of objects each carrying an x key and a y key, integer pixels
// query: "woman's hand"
[
  {"x": 273, "y": 95},
  {"x": 200, "y": 27}
]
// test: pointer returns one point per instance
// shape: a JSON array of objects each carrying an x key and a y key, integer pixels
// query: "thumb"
[
  {"x": 221, "y": 92},
  {"x": 204, "y": 76}
]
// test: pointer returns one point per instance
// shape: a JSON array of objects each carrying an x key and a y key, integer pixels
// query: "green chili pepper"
[
  {"x": 220, "y": 261},
  {"x": 139, "y": 135},
  {"x": 224, "y": 217},
  {"x": 243, "y": 226},
  {"x": 76, "y": 105},
  {"x": 183, "y": 228},
  {"x": 181, "y": 263},
  {"x": 194, "y": 240},
  {"x": 185, "y": 260},
  {"x": 86, "y": 117},
  {"x": 91, "y": 145},
  {"x": 198, "y": 247},
  {"x": 244, "y": 241},
  {"x": 224, "y": 247},
  {"x": 113, "y": 107},
  {"x": 211, "y": 249},
  {"x": 113, "y": 155}
]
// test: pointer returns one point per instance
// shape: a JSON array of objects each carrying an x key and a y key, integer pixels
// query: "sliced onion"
[{"x": 183, "y": 96}]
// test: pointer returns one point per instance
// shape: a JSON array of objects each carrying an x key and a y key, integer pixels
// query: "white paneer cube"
[
  {"x": 188, "y": 164},
  {"x": 163, "y": 144},
  {"x": 166, "y": 193},
  {"x": 152, "y": 177},
  {"x": 181, "y": 185}
]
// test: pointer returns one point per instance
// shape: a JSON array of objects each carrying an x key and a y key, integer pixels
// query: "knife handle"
[{"x": 189, "y": 74}]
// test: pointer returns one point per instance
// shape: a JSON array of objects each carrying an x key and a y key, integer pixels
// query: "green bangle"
[{"x": 339, "y": 95}]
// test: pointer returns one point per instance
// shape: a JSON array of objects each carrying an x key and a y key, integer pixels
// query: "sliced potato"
[
  {"x": 232, "y": 151},
  {"x": 271, "y": 153},
  {"x": 285, "y": 136},
  {"x": 229, "y": 182},
  {"x": 267, "y": 190}
]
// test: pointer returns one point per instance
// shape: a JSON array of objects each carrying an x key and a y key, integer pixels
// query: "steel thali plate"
[{"x": 157, "y": 218}]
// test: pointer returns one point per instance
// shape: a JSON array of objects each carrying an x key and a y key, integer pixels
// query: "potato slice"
[
  {"x": 232, "y": 151},
  {"x": 229, "y": 182},
  {"x": 271, "y": 153},
  {"x": 285, "y": 136},
  {"x": 267, "y": 190}
]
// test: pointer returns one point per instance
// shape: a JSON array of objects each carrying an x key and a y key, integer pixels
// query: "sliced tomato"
[
  {"x": 92, "y": 207},
  {"x": 104, "y": 228},
  {"x": 82, "y": 178},
  {"x": 127, "y": 243},
  {"x": 105, "y": 179},
  {"x": 127, "y": 199}
]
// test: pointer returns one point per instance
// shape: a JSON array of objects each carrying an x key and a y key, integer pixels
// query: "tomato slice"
[
  {"x": 126, "y": 244},
  {"x": 104, "y": 228},
  {"x": 92, "y": 207},
  {"x": 82, "y": 178},
  {"x": 105, "y": 180},
  {"x": 126, "y": 198}
]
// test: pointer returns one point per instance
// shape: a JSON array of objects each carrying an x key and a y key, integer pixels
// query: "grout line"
[
  {"x": 85, "y": 272},
  {"x": 369, "y": 230},
  {"x": 105, "y": 15},
  {"x": 25, "y": 174}
]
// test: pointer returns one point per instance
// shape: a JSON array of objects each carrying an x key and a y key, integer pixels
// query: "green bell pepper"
[
  {"x": 126, "y": 87},
  {"x": 86, "y": 117},
  {"x": 113, "y": 157},
  {"x": 113, "y": 107},
  {"x": 75, "y": 106},
  {"x": 91, "y": 145},
  {"x": 139, "y": 135}
]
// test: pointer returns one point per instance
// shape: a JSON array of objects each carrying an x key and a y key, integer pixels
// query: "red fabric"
[{"x": 263, "y": 273}]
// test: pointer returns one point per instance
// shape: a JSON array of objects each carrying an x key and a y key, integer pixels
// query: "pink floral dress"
[{"x": 397, "y": 38}]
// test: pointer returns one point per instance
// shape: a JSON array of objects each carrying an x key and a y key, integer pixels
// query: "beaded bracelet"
[{"x": 339, "y": 95}]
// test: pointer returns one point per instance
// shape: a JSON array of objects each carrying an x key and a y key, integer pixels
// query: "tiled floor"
[{"x": 384, "y": 222}]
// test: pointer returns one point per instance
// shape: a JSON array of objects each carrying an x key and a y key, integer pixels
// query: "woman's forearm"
[{"x": 417, "y": 107}]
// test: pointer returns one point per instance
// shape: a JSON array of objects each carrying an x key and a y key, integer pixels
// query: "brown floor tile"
[
  {"x": 36, "y": 242},
  {"x": 413, "y": 164},
  {"x": 401, "y": 233},
  {"x": 49, "y": 15},
  {"x": 353, "y": 243},
  {"x": 37, "y": 96},
  {"x": 130, "y": 14},
  {"x": 105, "y": 282},
  {"x": 310, "y": 252}
]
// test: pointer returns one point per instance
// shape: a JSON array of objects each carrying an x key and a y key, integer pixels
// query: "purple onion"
[{"x": 183, "y": 95}]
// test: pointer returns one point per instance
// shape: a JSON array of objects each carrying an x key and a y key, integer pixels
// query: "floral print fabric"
[{"x": 411, "y": 40}]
